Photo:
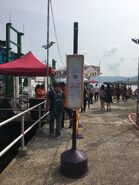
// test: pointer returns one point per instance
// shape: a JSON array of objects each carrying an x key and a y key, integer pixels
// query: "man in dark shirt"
[{"x": 56, "y": 105}]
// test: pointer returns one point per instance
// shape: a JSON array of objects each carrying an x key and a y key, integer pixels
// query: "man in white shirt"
[{"x": 96, "y": 92}]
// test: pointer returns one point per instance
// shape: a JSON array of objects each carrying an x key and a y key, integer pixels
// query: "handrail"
[
  {"x": 23, "y": 132},
  {"x": 20, "y": 114}
]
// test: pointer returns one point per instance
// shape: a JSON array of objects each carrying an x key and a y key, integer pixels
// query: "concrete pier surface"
[{"x": 110, "y": 141}]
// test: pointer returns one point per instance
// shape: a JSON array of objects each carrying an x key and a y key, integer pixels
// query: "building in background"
[{"x": 90, "y": 71}]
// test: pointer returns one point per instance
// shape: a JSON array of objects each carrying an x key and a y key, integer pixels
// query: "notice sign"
[{"x": 75, "y": 64}]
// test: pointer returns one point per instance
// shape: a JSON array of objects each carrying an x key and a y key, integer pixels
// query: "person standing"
[
  {"x": 58, "y": 109},
  {"x": 91, "y": 91},
  {"x": 50, "y": 108},
  {"x": 108, "y": 97},
  {"x": 124, "y": 95},
  {"x": 40, "y": 91},
  {"x": 88, "y": 97},
  {"x": 64, "y": 90},
  {"x": 118, "y": 92},
  {"x": 85, "y": 94},
  {"x": 102, "y": 96},
  {"x": 56, "y": 105},
  {"x": 66, "y": 109},
  {"x": 129, "y": 93},
  {"x": 96, "y": 92}
]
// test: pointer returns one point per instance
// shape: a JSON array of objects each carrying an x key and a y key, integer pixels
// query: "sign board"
[{"x": 75, "y": 65}]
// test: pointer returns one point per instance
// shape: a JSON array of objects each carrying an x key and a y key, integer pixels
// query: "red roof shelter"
[{"x": 28, "y": 65}]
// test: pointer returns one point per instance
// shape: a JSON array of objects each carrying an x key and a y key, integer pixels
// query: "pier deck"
[{"x": 110, "y": 141}]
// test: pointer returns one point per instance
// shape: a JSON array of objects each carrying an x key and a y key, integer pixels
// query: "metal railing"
[{"x": 23, "y": 131}]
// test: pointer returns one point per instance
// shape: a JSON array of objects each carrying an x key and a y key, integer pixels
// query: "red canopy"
[{"x": 27, "y": 65}]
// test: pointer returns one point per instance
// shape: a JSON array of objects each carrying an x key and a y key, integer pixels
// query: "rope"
[{"x": 55, "y": 32}]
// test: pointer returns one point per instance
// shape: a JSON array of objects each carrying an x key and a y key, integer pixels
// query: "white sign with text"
[{"x": 75, "y": 64}]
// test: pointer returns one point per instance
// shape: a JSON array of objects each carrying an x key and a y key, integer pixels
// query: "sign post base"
[{"x": 74, "y": 164}]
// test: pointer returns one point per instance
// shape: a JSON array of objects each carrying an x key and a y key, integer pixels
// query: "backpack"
[{"x": 59, "y": 102}]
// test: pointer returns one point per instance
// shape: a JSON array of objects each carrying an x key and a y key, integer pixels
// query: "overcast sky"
[{"x": 105, "y": 31}]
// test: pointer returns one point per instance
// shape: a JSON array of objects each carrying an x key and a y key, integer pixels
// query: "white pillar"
[
  {"x": 16, "y": 87},
  {"x": 29, "y": 87}
]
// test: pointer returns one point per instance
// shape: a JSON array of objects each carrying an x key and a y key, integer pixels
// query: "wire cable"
[{"x": 56, "y": 33}]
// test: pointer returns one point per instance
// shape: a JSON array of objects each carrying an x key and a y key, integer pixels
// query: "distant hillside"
[{"x": 117, "y": 78}]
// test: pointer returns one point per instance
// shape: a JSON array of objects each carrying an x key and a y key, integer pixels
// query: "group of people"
[
  {"x": 105, "y": 97},
  {"x": 106, "y": 94},
  {"x": 90, "y": 95},
  {"x": 57, "y": 101},
  {"x": 123, "y": 91}
]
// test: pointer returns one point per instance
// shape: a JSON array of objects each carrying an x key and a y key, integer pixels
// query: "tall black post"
[
  {"x": 73, "y": 161},
  {"x": 8, "y": 25},
  {"x": 48, "y": 7},
  {"x": 75, "y": 51},
  {"x": 75, "y": 38}
]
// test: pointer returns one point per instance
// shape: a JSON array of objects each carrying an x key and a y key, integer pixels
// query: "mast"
[{"x": 48, "y": 7}]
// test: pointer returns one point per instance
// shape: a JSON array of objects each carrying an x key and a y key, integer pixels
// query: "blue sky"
[{"x": 105, "y": 31}]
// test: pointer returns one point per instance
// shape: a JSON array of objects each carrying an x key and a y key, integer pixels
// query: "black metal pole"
[
  {"x": 75, "y": 51},
  {"x": 75, "y": 39},
  {"x": 48, "y": 44},
  {"x": 73, "y": 161},
  {"x": 8, "y": 41}
]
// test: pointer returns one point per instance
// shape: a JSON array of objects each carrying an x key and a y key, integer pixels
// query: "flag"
[{"x": 135, "y": 40}]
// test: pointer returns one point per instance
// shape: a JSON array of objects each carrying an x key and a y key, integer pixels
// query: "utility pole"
[{"x": 48, "y": 5}]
